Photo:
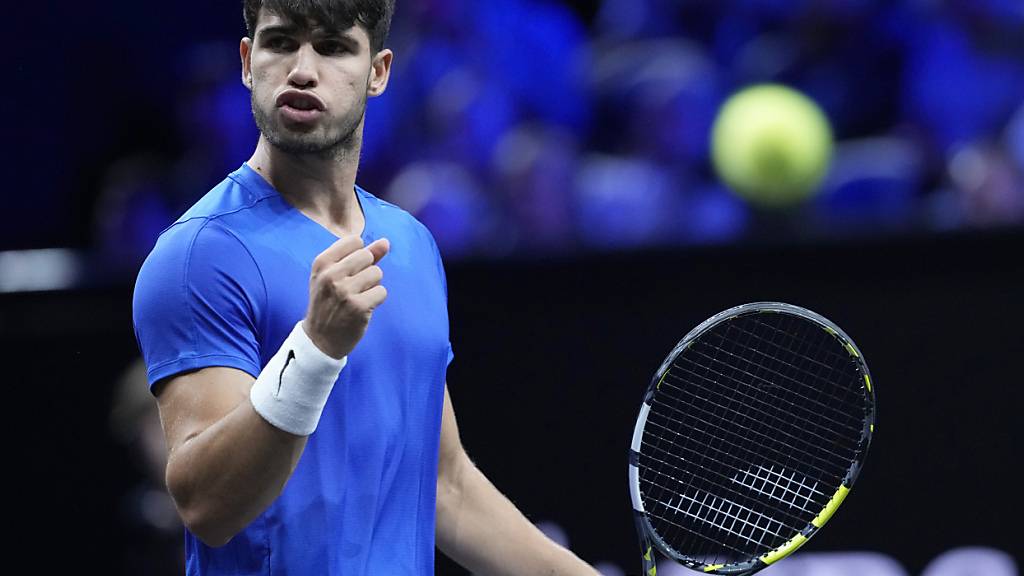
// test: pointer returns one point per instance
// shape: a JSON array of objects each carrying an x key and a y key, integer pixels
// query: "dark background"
[{"x": 564, "y": 298}]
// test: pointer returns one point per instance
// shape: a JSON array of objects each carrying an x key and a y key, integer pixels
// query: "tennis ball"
[{"x": 771, "y": 145}]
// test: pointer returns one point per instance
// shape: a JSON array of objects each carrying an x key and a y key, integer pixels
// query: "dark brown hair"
[{"x": 373, "y": 15}]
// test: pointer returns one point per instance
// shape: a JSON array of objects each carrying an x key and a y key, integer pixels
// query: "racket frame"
[{"x": 649, "y": 538}]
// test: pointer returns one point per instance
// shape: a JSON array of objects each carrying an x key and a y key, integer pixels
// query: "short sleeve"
[{"x": 197, "y": 300}]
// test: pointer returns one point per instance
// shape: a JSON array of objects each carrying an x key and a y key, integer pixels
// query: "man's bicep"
[{"x": 193, "y": 401}]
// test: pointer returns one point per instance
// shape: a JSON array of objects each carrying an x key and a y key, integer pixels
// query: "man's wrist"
[
  {"x": 321, "y": 344},
  {"x": 292, "y": 390}
]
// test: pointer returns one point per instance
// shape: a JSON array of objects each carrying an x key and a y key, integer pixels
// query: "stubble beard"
[{"x": 341, "y": 138}]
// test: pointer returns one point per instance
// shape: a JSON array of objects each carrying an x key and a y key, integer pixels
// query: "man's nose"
[{"x": 303, "y": 72}]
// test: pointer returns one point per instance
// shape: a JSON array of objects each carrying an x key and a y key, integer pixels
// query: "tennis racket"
[{"x": 750, "y": 436}]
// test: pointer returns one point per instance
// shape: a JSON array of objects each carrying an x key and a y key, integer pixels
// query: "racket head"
[{"x": 751, "y": 433}]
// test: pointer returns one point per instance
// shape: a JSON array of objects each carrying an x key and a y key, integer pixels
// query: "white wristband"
[{"x": 293, "y": 387}]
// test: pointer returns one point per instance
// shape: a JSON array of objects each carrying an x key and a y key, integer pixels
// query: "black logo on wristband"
[{"x": 291, "y": 356}]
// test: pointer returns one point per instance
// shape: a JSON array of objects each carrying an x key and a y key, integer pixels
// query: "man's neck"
[{"x": 321, "y": 187}]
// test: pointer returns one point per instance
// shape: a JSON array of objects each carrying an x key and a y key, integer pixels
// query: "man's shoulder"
[
  {"x": 222, "y": 213},
  {"x": 215, "y": 225},
  {"x": 233, "y": 195}
]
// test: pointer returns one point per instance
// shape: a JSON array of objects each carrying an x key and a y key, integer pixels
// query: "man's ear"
[
  {"x": 380, "y": 71},
  {"x": 245, "y": 52}
]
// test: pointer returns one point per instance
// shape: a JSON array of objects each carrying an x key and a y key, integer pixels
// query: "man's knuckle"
[{"x": 319, "y": 284}]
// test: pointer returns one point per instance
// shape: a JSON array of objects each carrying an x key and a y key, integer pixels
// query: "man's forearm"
[
  {"x": 482, "y": 530},
  {"x": 227, "y": 475}
]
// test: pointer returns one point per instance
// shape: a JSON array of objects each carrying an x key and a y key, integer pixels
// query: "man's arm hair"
[{"x": 480, "y": 528}]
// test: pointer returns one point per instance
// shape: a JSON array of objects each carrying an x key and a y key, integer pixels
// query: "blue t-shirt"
[{"x": 224, "y": 286}]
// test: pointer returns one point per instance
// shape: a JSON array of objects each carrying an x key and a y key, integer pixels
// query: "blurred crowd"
[{"x": 519, "y": 127}]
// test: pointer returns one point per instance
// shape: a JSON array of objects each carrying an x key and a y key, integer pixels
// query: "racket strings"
[
  {"x": 750, "y": 433},
  {"x": 794, "y": 518},
  {"x": 728, "y": 457},
  {"x": 717, "y": 516},
  {"x": 753, "y": 527},
  {"x": 805, "y": 492},
  {"x": 710, "y": 526},
  {"x": 815, "y": 382},
  {"x": 801, "y": 348},
  {"x": 823, "y": 345},
  {"x": 687, "y": 405},
  {"x": 767, "y": 414},
  {"x": 735, "y": 453},
  {"x": 840, "y": 355},
  {"x": 752, "y": 365},
  {"x": 745, "y": 522},
  {"x": 670, "y": 484}
]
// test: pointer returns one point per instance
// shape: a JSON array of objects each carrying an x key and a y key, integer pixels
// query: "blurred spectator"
[
  {"x": 156, "y": 545},
  {"x": 535, "y": 165},
  {"x": 1015, "y": 137},
  {"x": 872, "y": 186},
  {"x": 144, "y": 192},
  {"x": 957, "y": 87},
  {"x": 987, "y": 187},
  {"x": 133, "y": 207},
  {"x": 451, "y": 203},
  {"x": 466, "y": 77},
  {"x": 624, "y": 202}
]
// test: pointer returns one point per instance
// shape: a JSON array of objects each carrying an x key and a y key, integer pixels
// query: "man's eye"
[
  {"x": 278, "y": 43},
  {"x": 331, "y": 48}
]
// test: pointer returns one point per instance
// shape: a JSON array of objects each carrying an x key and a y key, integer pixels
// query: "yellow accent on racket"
[
  {"x": 784, "y": 550},
  {"x": 831, "y": 507}
]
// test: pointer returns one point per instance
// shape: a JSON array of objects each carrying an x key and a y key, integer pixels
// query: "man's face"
[{"x": 309, "y": 87}]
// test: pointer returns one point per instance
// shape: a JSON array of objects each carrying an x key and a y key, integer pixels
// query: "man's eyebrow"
[
  {"x": 287, "y": 29},
  {"x": 328, "y": 34},
  {"x": 319, "y": 32}
]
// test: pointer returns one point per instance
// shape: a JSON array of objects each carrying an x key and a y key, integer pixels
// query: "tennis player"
[{"x": 295, "y": 331}]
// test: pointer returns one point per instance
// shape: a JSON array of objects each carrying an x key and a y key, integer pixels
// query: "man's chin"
[
  {"x": 300, "y": 145},
  {"x": 314, "y": 142}
]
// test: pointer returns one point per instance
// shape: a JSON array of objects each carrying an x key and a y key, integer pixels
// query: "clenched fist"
[{"x": 344, "y": 289}]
